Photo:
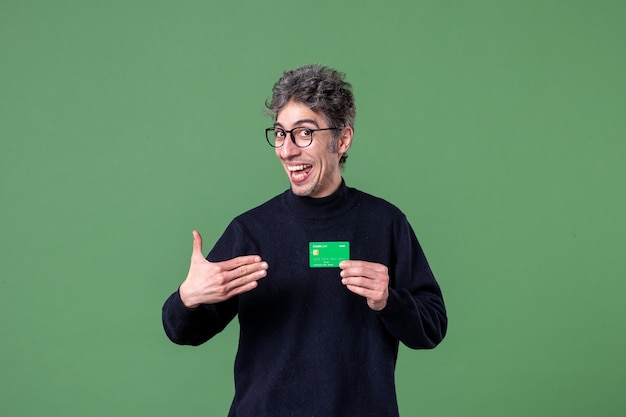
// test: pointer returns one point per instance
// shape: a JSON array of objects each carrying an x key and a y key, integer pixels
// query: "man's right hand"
[{"x": 209, "y": 283}]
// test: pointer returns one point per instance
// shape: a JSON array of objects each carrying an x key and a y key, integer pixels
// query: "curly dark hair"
[{"x": 322, "y": 89}]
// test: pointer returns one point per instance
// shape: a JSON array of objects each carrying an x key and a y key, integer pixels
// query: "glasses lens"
[
  {"x": 303, "y": 136},
  {"x": 275, "y": 137}
]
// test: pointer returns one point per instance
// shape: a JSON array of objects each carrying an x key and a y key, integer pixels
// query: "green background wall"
[{"x": 498, "y": 127}]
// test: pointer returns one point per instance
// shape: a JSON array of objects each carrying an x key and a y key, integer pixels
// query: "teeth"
[{"x": 298, "y": 167}]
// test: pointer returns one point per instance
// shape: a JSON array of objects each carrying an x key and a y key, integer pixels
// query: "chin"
[
  {"x": 300, "y": 192},
  {"x": 303, "y": 190}
]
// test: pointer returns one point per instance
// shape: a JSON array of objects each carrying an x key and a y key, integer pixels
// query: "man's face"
[{"x": 313, "y": 171}]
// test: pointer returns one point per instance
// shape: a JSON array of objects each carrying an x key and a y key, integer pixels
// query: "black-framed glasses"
[{"x": 300, "y": 136}]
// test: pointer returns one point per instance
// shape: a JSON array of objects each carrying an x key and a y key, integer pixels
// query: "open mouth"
[{"x": 299, "y": 173}]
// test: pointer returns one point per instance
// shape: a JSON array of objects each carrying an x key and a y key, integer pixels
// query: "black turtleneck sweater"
[{"x": 308, "y": 346}]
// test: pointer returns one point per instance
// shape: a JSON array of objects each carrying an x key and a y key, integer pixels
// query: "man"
[{"x": 325, "y": 279}]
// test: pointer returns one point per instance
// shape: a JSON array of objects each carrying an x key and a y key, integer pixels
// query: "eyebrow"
[{"x": 299, "y": 122}]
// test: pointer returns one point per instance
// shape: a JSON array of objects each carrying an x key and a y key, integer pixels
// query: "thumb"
[{"x": 197, "y": 245}]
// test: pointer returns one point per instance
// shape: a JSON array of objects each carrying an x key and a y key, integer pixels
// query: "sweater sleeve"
[
  {"x": 186, "y": 326},
  {"x": 415, "y": 313}
]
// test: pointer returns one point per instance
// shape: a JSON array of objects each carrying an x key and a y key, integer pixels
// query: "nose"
[{"x": 289, "y": 149}]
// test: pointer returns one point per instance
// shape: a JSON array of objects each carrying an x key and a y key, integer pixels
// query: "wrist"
[{"x": 186, "y": 298}]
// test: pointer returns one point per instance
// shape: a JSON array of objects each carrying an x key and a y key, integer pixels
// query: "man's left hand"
[{"x": 367, "y": 279}]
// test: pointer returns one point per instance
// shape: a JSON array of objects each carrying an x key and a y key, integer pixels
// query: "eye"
[
  {"x": 305, "y": 133},
  {"x": 280, "y": 133}
]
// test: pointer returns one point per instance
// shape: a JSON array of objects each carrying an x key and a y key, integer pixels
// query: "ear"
[{"x": 344, "y": 141}]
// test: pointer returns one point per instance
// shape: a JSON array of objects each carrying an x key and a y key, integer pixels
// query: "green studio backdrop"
[{"x": 496, "y": 126}]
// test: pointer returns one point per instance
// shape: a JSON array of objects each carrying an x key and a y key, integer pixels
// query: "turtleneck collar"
[{"x": 323, "y": 208}]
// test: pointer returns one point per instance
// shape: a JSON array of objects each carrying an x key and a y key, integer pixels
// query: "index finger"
[
  {"x": 234, "y": 263},
  {"x": 352, "y": 263}
]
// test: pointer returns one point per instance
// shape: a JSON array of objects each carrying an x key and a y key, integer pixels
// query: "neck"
[{"x": 321, "y": 207}]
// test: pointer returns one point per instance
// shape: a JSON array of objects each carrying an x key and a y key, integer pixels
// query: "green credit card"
[{"x": 328, "y": 254}]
